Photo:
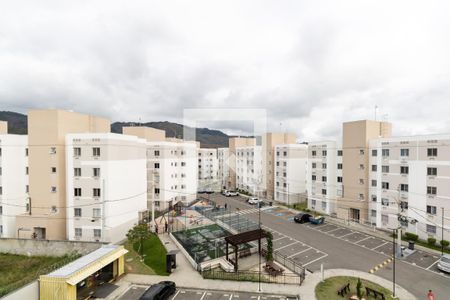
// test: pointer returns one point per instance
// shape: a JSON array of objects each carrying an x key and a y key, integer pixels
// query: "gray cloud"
[{"x": 311, "y": 64}]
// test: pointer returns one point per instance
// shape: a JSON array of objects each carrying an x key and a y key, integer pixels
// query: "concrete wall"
[
  {"x": 28, "y": 292},
  {"x": 44, "y": 247}
]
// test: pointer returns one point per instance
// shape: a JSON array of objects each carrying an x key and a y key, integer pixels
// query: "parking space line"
[
  {"x": 366, "y": 238},
  {"x": 295, "y": 242},
  {"x": 203, "y": 296},
  {"x": 346, "y": 234},
  {"x": 309, "y": 248},
  {"x": 433, "y": 264},
  {"x": 325, "y": 255},
  {"x": 231, "y": 296},
  {"x": 328, "y": 232},
  {"x": 380, "y": 245},
  {"x": 176, "y": 294}
]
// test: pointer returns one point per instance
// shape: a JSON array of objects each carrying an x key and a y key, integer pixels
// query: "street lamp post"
[
  {"x": 393, "y": 263},
  {"x": 442, "y": 233},
  {"x": 259, "y": 222}
]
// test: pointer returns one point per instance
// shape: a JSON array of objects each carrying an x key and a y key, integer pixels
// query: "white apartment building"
[
  {"x": 208, "y": 167},
  {"x": 14, "y": 198},
  {"x": 291, "y": 162},
  {"x": 106, "y": 180},
  {"x": 249, "y": 169},
  {"x": 172, "y": 168},
  {"x": 223, "y": 171},
  {"x": 324, "y": 176},
  {"x": 410, "y": 176}
]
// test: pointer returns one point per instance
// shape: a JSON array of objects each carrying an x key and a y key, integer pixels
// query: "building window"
[
  {"x": 432, "y": 152},
  {"x": 77, "y": 212},
  {"x": 384, "y": 219},
  {"x": 284, "y": 184},
  {"x": 278, "y": 184},
  {"x": 373, "y": 213},
  {"x": 374, "y": 198},
  {"x": 324, "y": 191},
  {"x": 77, "y": 151},
  {"x": 361, "y": 167},
  {"x": 361, "y": 196},
  {"x": 339, "y": 179},
  {"x": 96, "y": 192},
  {"x": 96, "y": 172},
  {"x": 78, "y": 232},
  {"x": 431, "y": 229},
  {"x": 404, "y": 152},
  {"x": 77, "y": 192},
  {"x": 284, "y": 153},
  {"x": 324, "y": 178},
  {"x": 27, "y": 188},
  {"x": 313, "y": 202},
  {"x": 52, "y": 150},
  {"x": 384, "y": 201},
  {"x": 76, "y": 172},
  {"x": 385, "y": 169},
  {"x": 324, "y": 205},
  {"x": 385, "y": 152},
  {"x": 385, "y": 185},
  {"x": 26, "y": 151},
  {"x": 374, "y": 168},
  {"x": 339, "y": 153},
  {"x": 374, "y": 183},
  {"x": 313, "y": 177},
  {"x": 324, "y": 166},
  {"x": 1, "y": 210},
  {"x": 96, "y": 151},
  {"x": 313, "y": 153},
  {"x": 313, "y": 165},
  {"x": 278, "y": 163},
  {"x": 431, "y": 190},
  {"x": 361, "y": 181},
  {"x": 97, "y": 233},
  {"x": 53, "y": 169},
  {"x": 404, "y": 170},
  {"x": 339, "y": 166},
  {"x": 374, "y": 152},
  {"x": 26, "y": 170},
  {"x": 156, "y": 152},
  {"x": 403, "y": 205},
  {"x": 157, "y": 191},
  {"x": 431, "y": 210},
  {"x": 403, "y": 187},
  {"x": 324, "y": 152},
  {"x": 183, "y": 164},
  {"x": 96, "y": 213},
  {"x": 53, "y": 189},
  {"x": 431, "y": 171},
  {"x": 284, "y": 174},
  {"x": 361, "y": 152}
]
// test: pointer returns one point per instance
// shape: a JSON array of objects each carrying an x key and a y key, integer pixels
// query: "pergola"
[{"x": 242, "y": 238}]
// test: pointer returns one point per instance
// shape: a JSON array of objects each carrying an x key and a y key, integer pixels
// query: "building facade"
[
  {"x": 291, "y": 163},
  {"x": 324, "y": 176},
  {"x": 14, "y": 198},
  {"x": 234, "y": 143},
  {"x": 249, "y": 169},
  {"x": 208, "y": 168},
  {"x": 410, "y": 177},
  {"x": 106, "y": 177},
  {"x": 223, "y": 167}
]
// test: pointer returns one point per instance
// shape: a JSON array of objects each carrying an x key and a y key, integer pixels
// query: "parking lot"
[{"x": 136, "y": 291}]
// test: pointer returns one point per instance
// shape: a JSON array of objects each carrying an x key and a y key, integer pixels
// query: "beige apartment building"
[
  {"x": 354, "y": 203},
  {"x": 47, "y": 130},
  {"x": 233, "y": 144},
  {"x": 269, "y": 141}
]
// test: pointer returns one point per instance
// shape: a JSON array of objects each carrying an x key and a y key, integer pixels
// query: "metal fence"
[
  {"x": 287, "y": 262},
  {"x": 253, "y": 276}
]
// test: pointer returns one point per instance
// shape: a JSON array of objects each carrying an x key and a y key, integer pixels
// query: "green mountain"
[{"x": 208, "y": 138}]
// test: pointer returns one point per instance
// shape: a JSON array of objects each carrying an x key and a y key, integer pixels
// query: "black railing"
[{"x": 287, "y": 262}]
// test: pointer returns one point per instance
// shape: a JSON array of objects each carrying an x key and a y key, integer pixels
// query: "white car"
[
  {"x": 444, "y": 263},
  {"x": 254, "y": 200},
  {"x": 231, "y": 194}
]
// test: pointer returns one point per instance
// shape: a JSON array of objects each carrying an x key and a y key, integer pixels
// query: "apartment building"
[
  {"x": 291, "y": 162},
  {"x": 354, "y": 203},
  {"x": 249, "y": 169},
  {"x": 410, "y": 176},
  {"x": 324, "y": 176},
  {"x": 223, "y": 166},
  {"x": 14, "y": 171},
  {"x": 47, "y": 130},
  {"x": 234, "y": 143},
  {"x": 269, "y": 141},
  {"x": 106, "y": 185},
  {"x": 208, "y": 168}
]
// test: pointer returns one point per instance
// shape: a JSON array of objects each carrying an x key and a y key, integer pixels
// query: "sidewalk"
[{"x": 185, "y": 276}]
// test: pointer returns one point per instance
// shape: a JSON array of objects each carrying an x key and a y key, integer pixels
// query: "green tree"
[
  {"x": 359, "y": 291},
  {"x": 139, "y": 233},
  {"x": 269, "y": 255}
]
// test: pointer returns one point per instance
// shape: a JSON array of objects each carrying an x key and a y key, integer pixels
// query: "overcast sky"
[{"x": 310, "y": 64}]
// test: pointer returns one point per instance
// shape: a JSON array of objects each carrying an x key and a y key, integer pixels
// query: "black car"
[
  {"x": 160, "y": 291},
  {"x": 302, "y": 218}
]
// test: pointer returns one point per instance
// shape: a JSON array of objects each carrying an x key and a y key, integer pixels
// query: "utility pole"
[
  {"x": 399, "y": 227},
  {"x": 442, "y": 233},
  {"x": 287, "y": 184},
  {"x": 393, "y": 263},
  {"x": 259, "y": 222}
]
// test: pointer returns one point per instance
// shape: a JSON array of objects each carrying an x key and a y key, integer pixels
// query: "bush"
[
  {"x": 411, "y": 236},
  {"x": 431, "y": 241},
  {"x": 444, "y": 243}
]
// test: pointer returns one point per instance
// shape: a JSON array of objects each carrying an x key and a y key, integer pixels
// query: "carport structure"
[{"x": 243, "y": 238}]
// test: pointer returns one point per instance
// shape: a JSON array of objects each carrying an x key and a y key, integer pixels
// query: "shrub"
[
  {"x": 444, "y": 243},
  {"x": 411, "y": 236},
  {"x": 431, "y": 241},
  {"x": 359, "y": 292}
]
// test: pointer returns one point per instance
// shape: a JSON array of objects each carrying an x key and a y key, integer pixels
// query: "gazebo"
[{"x": 242, "y": 238}]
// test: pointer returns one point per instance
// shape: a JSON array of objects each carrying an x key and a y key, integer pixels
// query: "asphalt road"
[{"x": 344, "y": 249}]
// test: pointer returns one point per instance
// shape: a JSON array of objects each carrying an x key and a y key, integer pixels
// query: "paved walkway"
[{"x": 185, "y": 276}]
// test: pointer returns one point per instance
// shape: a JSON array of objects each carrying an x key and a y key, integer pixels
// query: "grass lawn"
[
  {"x": 327, "y": 290},
  {"x": 155, "y": 254},
  {"x": 133, "y": 262},
  {"x": 18, "y": 270}
]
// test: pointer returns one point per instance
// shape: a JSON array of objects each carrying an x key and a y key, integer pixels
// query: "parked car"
[
  {"x": 224, "y": 192},
  {"x": 231, "y": 194},
  {"x": 317, "y": 220},
  {"x": 302, "y": 218},
  {"x": 160, "y": 291},
  {"x": 254, "y": 200},
  {"x": 444, "y": 263}
]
